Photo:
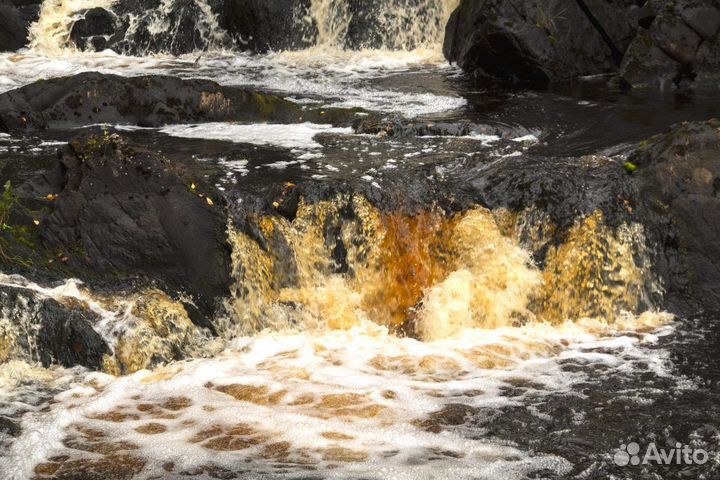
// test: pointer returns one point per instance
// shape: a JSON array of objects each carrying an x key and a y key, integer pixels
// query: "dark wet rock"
[
  {"x": 677, "y": 45},
  {"x": 261, "y": 25},
  {"x": 93, "y": 29},
  {"x": 401, "y": 128},
  {"x": 149, "y": 101},
  {"x": 536, "y": 43},
  {"x": 124, "y": 212},
  {"x": 15, "y": 19},
  {"x": 653, "y": 43},
  {"x": 562, "y": 188},
  {"x": 185, "y": 26},
  {"x": 51, "y": 332},
  {"x": 679, "y": 176},
  {"x": 665, "y": 53},
  {"x": 9, "y": 427}
]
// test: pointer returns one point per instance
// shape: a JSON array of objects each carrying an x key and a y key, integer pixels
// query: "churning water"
[{"x": 404, "y": 361}]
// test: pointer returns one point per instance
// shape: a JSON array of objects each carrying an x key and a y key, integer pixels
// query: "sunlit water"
[{"x": 342, "y": 394}]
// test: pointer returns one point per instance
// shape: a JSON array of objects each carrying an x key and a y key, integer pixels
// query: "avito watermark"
[{"x": 630, "y": 455}]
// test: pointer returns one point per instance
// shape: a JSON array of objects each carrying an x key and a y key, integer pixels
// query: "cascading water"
[
  {"x": 187, "y": 26},
  {"x": 414, "y": 312},
  {"x": 153, "y": 27},
  {"x": 389, "y": 24},
  {"x": 307, "y": 340}
]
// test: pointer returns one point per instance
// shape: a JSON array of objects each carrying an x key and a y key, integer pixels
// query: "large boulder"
[
  {"x": 149, "y": 101},
  {"x": 679, "y": 177},
  {"x": 121, "y": 219},
  {"x": 124, "y": 212},
  {"x": 15, "y": 19},
  {"x": 678, "y": 44},
  {"x": 537, "y": 42}
]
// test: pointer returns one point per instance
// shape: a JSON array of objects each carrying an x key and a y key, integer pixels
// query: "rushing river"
[{"x": 505, "y": 375}]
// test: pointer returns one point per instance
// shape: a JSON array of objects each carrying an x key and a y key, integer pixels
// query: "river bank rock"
[
  {"x": 653, "y": 43},
  {"x": 35, "y": 327},
  {"x": 535, "y": 43},
  {"x": 120, "y": 215},
  {"x": 679, "y": 177},
  {"x": 148, "y": 101},
  {"x": 679, "y": 45},
  {"x": 123, "y": 211},
  {"x": 15, "y": 19}
]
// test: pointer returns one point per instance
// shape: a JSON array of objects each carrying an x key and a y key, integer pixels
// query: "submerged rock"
[
  {"x": 399, "y": 127},
  {"x": 15, "y": 19},
  {"x": 532, "y": 42},
  {"x": 571, "y": 221},
  {"x": 150, "y": 101},
  {"x": 9, "y": 427},
  {"x": 38, "y": 328},
  {"x": 679, "y": 176}
]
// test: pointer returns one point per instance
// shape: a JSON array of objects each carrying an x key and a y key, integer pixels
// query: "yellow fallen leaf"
[
  {"x": 276, "y": 204},
  {"x": 193, "y": 187},
  {"x": 51, "y": 197},
  {"x": 36, "y": 222},
  {"x": 209, "y": 201}
]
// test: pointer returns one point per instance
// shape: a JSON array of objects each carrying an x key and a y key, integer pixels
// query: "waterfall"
[
  {"x": 388, "y": 24},
  {"x": 184, "y": 26}
]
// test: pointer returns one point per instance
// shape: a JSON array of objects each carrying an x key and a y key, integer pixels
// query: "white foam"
[
  {"x": 526, "y": 139},
  {"x": 309, "y": 77},
  {"x": 300, "y": 136},
  {"x": 404, "y": 380}
]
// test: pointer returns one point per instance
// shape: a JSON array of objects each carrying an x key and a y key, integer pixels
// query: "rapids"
[{"x": 361, "y": 337}]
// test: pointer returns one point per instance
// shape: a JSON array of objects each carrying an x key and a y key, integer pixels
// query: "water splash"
[
  {"x": 50, "y": 35},
  {"x": 429, "y": 274},
  {"x": 342, "y": 404}
]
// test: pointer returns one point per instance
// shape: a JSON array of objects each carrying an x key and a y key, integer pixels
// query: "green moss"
[
  {"x": 630, "y": 167},
  {"x": 9, "y": 232},
  {"x": 266, "y": 104},
  {"x": 93, "y": 144}
]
